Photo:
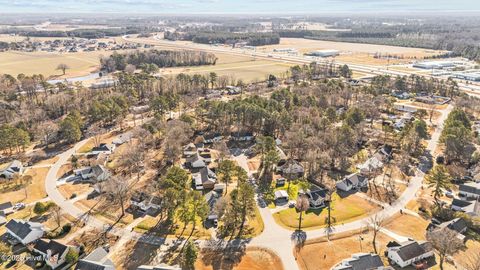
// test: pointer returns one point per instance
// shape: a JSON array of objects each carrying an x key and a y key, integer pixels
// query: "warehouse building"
[
  {"x": 434, "y": 64},
  {"x": 324, "y": 53}
]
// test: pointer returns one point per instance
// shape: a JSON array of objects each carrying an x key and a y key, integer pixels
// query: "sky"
[{"x": 233, "y": 6}]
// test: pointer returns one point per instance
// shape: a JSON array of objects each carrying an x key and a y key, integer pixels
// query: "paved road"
[{"x": 274, "y": 237}]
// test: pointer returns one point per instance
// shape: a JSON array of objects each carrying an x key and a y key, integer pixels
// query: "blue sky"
[{"x": 234, "y": 6}]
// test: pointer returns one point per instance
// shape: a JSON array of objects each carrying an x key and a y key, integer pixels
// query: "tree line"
[
  {"x": 159, "y": 58},
  {"x": 214, "y": 37}
]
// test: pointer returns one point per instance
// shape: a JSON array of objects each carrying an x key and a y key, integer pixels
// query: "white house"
[
  {"x": 316, "y": 197},
  {"x": 146, "y": 202},
  {"x": 281, "y": 196},
  {"x": 15, "y": 167},
  {"x": 352, "y": 181},
  {"x": 361, "y": 261},
  {"x": 97, "y": 173},
  {"x": 103, "y": 148},
  {"x": 195, "y": 162},
  {"x": 409, "y": 252},
  {"x": 97, "y": 260},
  {"x": 470, "y": 190},
  {"x": 53, "y": 252},
  {"x": 25, "y": 231}
]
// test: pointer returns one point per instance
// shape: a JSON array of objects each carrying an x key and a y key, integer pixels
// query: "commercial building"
[{"x": 324, "y": 53}]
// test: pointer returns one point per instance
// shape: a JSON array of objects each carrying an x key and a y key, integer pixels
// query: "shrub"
[{"x": 72, "y": 256}]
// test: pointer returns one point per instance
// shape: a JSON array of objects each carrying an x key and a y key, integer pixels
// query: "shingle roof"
[
  {"x": 20, "y": 228},
  {"x": 6, "y": 205},
  {"x": 457, "y": 224},
  {"x": 470, "y": 187},
  {"x": 54, "y": 247},
  {"x": 412, "y": 249}
]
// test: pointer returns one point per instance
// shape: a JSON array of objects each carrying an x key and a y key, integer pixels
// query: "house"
[
  {"x": 281, "y": 196},
  {"x": 377, "y": 160},
  {"x": 242, "y": 136},
  {"x": 97, "y": 260},
  {"x": 146, "y": 202},
  {"x": 97, "y": 173},
  {"x": 204, "y": 179},
  {"x": 25, "y": 231},
  {"x": 316, "y": 197},
  {"x": 122, "y": 138},
  {"x": 212, "y": 137},
  {"x": 290, "y": 169},
  {"x": 53, "y": 252},
  {"x": 471, "y": 208},
  {"x": 6, "y": 208},
  {"x": 470, "y": 190},
  {"x": 353, "y": 181},
  {"x": 15, "y": 167},
  {"x": 280, "y": 182},
  {"x": 361, "y": 261},
  {"x": 103, "y": 148},
  {"x": 206, "y": 156},
  {"x": 409, "y": 252},
  {"x": 195, "y": 162},
  {"x": 159, "y": 267},
  {"x": 189, "y": 150},
  {"x": 3, "y": 219},
  {"x": 458, "y": 225}
]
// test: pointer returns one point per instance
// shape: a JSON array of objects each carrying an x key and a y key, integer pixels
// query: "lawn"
[
  {"x": 323, "y": 254},
  {"x": 408, "y": 226},
  {"x": 34, "y": 190},
  {"x": 68, "y": 189},
  {"x": 343, "y": 210}
]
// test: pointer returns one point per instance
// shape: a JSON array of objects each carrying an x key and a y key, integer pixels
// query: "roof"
[
  {"x": 470, "y": 187},
  {"x": 98, "y": 170},
  {"x": 96, "y": 260},
  {"x": 6, "y": 205},
  {"x": 362, "y": 261},
  {"x": 211, "y": 136},
  {"x": 52, "y": 245},
  {"x": 354, "y": 178},
  {"x": 22, "y": 228},
  {"x": 281, "y": 194},
  {"x": 292, "y": 167},
  {"x": 457, "y": 224},
  {"x": 412, "y": 249}
]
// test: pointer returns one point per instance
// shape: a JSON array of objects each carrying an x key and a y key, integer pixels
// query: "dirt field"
[
  {"x": 254, "y": 259},
  {"x": 323, "y": 254}
]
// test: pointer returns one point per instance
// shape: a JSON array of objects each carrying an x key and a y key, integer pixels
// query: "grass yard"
[
  {"x": 253, "y": 259},
  {"x": 343, "y": 209},
  {"x": 135, "y": 254},
  {"x": 35, "y": 189},
  {"x": 408, "y": 226},
  {"x": 68, "y": 189},
  {"x": 323, "y": 254}
]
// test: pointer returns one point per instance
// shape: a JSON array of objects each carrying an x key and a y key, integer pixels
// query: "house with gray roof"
[
  {"x": 409, "y": 252},
  {"x": 352, "y": 182},
  {"x": 471, "y": 208},
  {"x": 458, "y": 225},
  {"x": 24, "y": 231},
  {"x": 204, "y": 179},
  {"x": 95, "y": 174},
  {"x": 470, "y": 190},
  {"x": 13, "y": 168},
  {"x": 96, "y": 260},
  {"x": 53, "y": 252},
  {"x": 361, "y": 261}
]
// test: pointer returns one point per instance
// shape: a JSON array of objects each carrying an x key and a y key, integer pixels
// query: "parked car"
[
  {"x": 18, "y": 206},
  {"x": 449, "y": 194}
]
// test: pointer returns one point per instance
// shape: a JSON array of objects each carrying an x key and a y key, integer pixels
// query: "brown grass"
[
  {"x": 408, "y": 226},
  {"x": 67, "y": 190},
  {"x": 254, "y": 259},
  {"x": 324, "y": 254}
]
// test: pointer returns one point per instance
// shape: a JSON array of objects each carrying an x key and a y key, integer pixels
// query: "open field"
[
  {"x": 253, "y": 259},
  {"x": 307, "y": 45},
  {"x": 245, "y": 67},
  {"x": 343, "y": 210},
  {"x": 28, "y": 63}
]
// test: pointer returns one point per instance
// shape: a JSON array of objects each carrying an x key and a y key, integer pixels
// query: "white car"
[{"x": 18, "y": 206}]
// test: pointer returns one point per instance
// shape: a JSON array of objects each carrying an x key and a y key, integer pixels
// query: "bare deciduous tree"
[
  {"x": 376, "y": 223},
  {"x": 301, "y": 205},
  {"x": 63, "y": 67},
  {"x": 117, "y": 187},
  {"x": 446, "y": 243}
]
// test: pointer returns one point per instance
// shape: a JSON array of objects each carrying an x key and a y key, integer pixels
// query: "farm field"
[{"x": 28, "y": 63}]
